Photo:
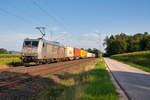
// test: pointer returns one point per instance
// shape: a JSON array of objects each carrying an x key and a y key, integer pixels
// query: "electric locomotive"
[{"x": 41, "y": 51}]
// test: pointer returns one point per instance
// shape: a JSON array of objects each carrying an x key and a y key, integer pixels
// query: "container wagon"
[
  {"x": 85, "y": 54},
  {"x": 76, "y": 53},
  {"x": 89, "y": 55},
  {"x": 69, "y": 53},
  {"x": 82, "y": 54}
]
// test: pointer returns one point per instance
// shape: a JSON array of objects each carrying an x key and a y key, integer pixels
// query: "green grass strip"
[
  {"x": 10, "y": 55},
  {"x": 94, "y": 84},
  {"x": 139, "y": 60},
  {"x": 100, "y": 86}
]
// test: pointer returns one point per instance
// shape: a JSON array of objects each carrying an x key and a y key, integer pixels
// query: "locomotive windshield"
[
  {"x": 35, "y": 43},
  {"x": 31, "y": 43}
]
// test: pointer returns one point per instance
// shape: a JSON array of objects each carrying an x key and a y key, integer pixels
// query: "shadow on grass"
[
  {"x": 91, "y": 85},
  {"x": 15, "y": 64},
  {"x": 69, "y": 87}
]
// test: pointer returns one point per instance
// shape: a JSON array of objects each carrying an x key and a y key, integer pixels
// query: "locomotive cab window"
[
  {"x": 31, "y": 44},
  {"x": 35, "y": 43},
  {"x": 27, "y": 44}
]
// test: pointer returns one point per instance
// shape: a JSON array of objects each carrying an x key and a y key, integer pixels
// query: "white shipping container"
[
  {"x": 69, "y": 51},
  {"x": 89, "y": 54}
]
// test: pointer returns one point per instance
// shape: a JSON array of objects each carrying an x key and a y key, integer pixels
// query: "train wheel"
[{"x": 37, "y": 63}]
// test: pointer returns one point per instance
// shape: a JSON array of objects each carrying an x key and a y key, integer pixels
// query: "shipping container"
[
  {"x": 69, "y": 52},
  {"x": 89, "y": 55},
  {"x": 76, "y": 53},
  {"x": 85, "y": 54},
  {"x": 82, "y": 54}
]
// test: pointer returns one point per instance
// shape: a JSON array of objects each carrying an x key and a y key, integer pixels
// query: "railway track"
[{"x": 33, "y": 73}]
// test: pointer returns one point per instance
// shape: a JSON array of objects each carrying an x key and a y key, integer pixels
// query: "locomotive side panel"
[
  {"x": 54, "y": 51},
  {"x": 57, "y": 52},
  {"x": 48, "y": 51},
  {"x": 44, "y": 50},
  {"x": 62, "y": 52},
  {"x": 40, "y": 50}
]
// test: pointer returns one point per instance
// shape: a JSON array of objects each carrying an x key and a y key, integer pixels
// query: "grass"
[
  {"x": 94, "y": 84},
  {"x": 10, "y": 55},
  {"x": 139, "y": 60},
  {"x": 10, "y": 60}
]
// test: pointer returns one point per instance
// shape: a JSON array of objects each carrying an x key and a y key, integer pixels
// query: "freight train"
[{"x": 41, "y": 51}]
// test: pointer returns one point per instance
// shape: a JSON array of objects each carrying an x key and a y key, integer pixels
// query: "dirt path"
[{"x": 135, "y": 82}]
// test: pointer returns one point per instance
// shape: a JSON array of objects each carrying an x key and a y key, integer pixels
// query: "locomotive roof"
[
  {"x": 28, "y": 39},
  {"x": 50, "y": 42}
]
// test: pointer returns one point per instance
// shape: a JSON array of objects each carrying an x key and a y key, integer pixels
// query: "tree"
[
  {"x": 3, "y": 51},
  {"x": 89, "y": 50},
  {"x": 122, "y": 43}
]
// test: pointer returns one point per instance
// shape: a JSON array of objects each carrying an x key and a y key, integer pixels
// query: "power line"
[
  {"x": 14, "y": 7},
  {"x": 99, "y": 40},
  {"x": 46, "y": 13},
  {"x": 10, "y": 13},
  {"x": 52, "y": 10}
]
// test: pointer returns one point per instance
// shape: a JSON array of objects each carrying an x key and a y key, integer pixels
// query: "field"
[
  {"x": 139, "y": 60},
  {"x": 7, "y": 60},
  {"x": 94, "y": 84}
]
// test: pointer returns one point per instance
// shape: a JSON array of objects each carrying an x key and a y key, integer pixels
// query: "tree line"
[
  {"x": 3, "y": 51},
  {"x": 123, "y": 43}
]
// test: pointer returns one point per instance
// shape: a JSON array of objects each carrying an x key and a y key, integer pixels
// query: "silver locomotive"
[{"x": 41, "y": 51}]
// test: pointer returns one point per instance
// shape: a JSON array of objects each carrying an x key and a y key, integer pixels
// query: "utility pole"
[
  {"x": 99, "y": 40},
  {"x": 42, "y": 30},
  {"x": 51, "y": 33},
  {"x": 100, "y": 43}
]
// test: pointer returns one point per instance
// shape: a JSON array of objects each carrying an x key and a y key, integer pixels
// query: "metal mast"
[
  {"x": 99, "y": 40},
  {"x": 51, "y": 33}
]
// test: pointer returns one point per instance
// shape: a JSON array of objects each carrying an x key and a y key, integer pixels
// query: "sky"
[{"x": 73, "y": 22}]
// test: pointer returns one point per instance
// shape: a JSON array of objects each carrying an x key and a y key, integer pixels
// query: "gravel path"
[{"x": 135, "y": 82}]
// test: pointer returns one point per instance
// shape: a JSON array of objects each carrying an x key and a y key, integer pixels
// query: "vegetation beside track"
[
  {"x": 139, "y": 60},
  {"x": 94, "y": 84},
  {"x": 10, "y": 60}
]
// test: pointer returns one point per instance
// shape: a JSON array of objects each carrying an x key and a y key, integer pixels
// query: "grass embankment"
[
  {"x": 139, "y": 60},
  {"x": 10, "y": 60},
  {"x": 94, "y": 84}
]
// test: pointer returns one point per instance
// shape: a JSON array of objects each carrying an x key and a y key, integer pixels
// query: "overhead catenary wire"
[
  {"x": 47, "y": 13},
  {"x": 14, "y": 7},
  {"x": 52, "y": 10},
  {"x": 12, "y": 14}
]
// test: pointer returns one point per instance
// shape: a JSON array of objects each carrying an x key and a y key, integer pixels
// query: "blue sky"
[{"x": 80, "y": 19}]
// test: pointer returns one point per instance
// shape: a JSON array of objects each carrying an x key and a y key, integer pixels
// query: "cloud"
[
  {"x": 80, "y": 43},
  {"x": 52, "y": 28},
  {"x": 14, "y": 41},
  {"x": 85, "y": 35},
  {"x": 91, "y": 35},
  {"x": 64, "y": 32}
]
